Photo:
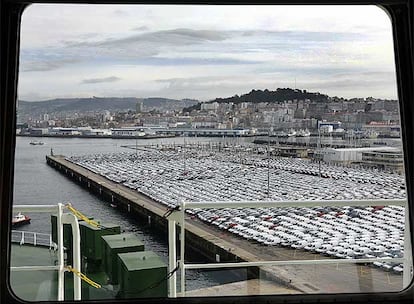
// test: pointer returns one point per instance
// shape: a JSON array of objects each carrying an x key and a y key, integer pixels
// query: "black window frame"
[{"x": 401, "y": 15}]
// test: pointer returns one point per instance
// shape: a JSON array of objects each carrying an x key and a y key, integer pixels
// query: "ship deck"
[
  {"x": 42, "y": 285},
  {"x": 33, "y": 285}
]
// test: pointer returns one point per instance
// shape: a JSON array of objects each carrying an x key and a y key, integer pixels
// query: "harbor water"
[{"x": 35, "y": 183}]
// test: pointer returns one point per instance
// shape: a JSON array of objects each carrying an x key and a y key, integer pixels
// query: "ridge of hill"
[
  {"x": 278, "y": 96},
  {"x": 99, "y": 104}
]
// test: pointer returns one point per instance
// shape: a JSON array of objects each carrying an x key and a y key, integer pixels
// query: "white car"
[
  {"x": 359, "y": 252},
  {"x": 299, "y": 244},
  {"x": 324, "y": 248},
  {"x": 398, "y": 269},
  {"x": 334, "y": 250}
]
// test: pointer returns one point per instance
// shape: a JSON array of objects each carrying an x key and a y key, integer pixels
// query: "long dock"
[{"x": 214, "y": 244}]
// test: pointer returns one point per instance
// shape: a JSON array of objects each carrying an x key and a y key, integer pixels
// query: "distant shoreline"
[
  {"x": 132, "y": 137},
  {"x": 98, "y": 136}
]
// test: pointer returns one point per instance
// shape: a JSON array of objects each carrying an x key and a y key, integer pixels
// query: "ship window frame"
[{"x": 401, "y": 14}]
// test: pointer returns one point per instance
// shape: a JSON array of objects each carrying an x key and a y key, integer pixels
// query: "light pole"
[
  {"x": 268, "y": 157},
  {"x": 185, "y": 163},
  {"x": 268, "y": 164},
  {"x": 319, "y": 149}
]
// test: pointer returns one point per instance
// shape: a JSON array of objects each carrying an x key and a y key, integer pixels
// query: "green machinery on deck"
[
  {"x": 114, "y": 244},
  {"x": 91, "y": 240},
  {"x": 142, "y": 274},
  {"x": 115, "y": 258}
]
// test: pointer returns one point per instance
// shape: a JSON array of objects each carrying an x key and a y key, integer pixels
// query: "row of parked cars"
[
  {"x": 346, "y": 232},
  {"x": 339, "y": 237}
]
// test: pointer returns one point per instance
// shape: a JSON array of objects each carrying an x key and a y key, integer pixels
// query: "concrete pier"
[{"x": 211, "y": 242}]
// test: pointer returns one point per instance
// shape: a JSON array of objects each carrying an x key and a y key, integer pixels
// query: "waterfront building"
[
  {"x": 388, "y": 158},
  {"x": 38, "y": 131},
  {"x": 96, "y": 132},
  {"x": 391, "y": 159},
  {"x": 132, "y": 131},
  {"x": 64, "y": 131},
  {"x": 295, "y": 152}
]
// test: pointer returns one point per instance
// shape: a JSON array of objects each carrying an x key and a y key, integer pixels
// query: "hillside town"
[{"x": 363, "y": 117}]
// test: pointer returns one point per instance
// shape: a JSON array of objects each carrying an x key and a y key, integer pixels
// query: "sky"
[{"x": 203, "y": 51}]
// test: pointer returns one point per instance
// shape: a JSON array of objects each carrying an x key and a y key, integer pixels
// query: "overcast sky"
[{"x": 204, "y": 52}]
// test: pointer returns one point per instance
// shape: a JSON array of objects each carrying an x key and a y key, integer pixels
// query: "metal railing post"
[
  {"x": 172, "y": 259},
  {"x": 61, "y": 282},
  {"x": 182, "y": 248},
  {"x": 22, "y": 239},
  {"x": 71, "y": 219},
  {"x": 408, "y": 262}
]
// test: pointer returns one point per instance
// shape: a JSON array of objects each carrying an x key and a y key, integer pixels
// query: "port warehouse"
[{"x": 197, "y": 240}]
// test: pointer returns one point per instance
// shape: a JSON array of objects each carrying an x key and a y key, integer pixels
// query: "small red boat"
[{"x": 20, "y": 219}]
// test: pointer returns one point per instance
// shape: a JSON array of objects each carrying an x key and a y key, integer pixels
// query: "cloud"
[
  {"x": 167, "y": 37},
  {"x": 44, "y": 65},
  {"x": 100, "y": 80},
  {"x": 183, "y": 46},
  {"x": 199, "y": 61},
  {"x": 184, "y": 37},
  {"x": 150, "y": 48}
]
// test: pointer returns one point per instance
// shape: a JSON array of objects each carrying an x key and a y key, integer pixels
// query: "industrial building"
[{"x": 388, "y": 158}]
